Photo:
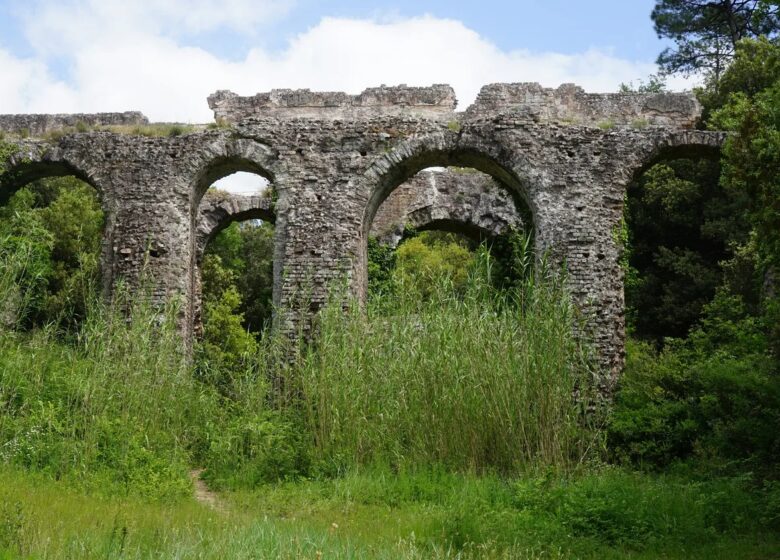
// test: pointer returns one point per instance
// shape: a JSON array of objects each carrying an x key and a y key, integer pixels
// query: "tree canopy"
[{"x": 706, "y": 33}]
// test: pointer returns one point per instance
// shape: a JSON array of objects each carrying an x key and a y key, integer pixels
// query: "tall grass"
[
  {"x": 476, "y": 382},
  {"x": 119, "y": 409}
]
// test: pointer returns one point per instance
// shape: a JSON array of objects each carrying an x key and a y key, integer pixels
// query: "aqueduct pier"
[{"x": 334, "y": 158}]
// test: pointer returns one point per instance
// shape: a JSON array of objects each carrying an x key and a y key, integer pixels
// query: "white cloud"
[
  {"x": 242, "y": 183},
  {"x": 27, "y": 86},
  {"x": 117, "y": 63},
  {"x": 52, "y": 26}
]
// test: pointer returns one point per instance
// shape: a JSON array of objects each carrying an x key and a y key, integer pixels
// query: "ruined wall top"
[
  {"x": 398, "y": 100},
  {"x": 570, "y": 104},
  {"x": 567, "y": 104},
  {"x": 38, "y": 125}
]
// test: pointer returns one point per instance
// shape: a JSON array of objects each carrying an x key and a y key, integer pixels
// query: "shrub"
[{"x": 714, "y": 398}]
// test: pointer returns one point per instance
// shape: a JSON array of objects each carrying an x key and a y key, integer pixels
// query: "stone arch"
[
  {"x": 697, "y": 147},
  {"x": 27, "y": 166},
  {"x": 474, "y": 151},
  {"x": 680, "y": 144},
  {"x": 445, "y": 150},
  {"x": 219, "y": 209},
  {"x": 465, "y": 202},
  {"x": 210, "y": 213},
  {"x": 23, "y": 170},
  {"x": 227, "y": 156}
]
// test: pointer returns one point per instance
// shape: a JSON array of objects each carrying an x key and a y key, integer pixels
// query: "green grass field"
[{"x": 611, "y": 514}]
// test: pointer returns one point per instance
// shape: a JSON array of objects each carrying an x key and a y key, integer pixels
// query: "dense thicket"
[
  {"x": 702, "y": 259},
  {"x": 56, "y": 224}
]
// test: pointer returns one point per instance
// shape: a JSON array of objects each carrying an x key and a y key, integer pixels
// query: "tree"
[
  {"x": 62, "y": 218},
  {"x": 255, "y": 282},
  {"x": 431, "y": 258},
  {"x": 706, "y": 33},
  {"x": 682, "y": 224},
  {"x": 246, "y": 252},
  {"x": 752, "y": 167}
]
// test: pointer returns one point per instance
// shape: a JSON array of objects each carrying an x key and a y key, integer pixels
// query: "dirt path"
[{"x": 202, "y": 492}]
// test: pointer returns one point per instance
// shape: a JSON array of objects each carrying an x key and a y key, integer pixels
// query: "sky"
[{"x": 164, "y": 57}]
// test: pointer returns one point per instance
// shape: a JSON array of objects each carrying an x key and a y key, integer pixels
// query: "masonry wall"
[
  {"x": 334, "y": 160},
  {"x": 461, "y": 200},
  {"x": 38, "y": 125}
]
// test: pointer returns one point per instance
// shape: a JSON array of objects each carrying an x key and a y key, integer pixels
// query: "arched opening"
[
  {"x": 421, "y": 370},
  {"x": 235, "y": 268},
  {"x": 52, "y": 223},
  {"x": 681, "y": 227},
  {"x": 449, "y": 202}
]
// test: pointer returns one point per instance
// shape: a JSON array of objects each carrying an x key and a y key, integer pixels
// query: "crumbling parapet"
[
  {"x": 570, "y": 104},
  {"x": 41, "y": 124},
  {"x": 431, "y": 101}
]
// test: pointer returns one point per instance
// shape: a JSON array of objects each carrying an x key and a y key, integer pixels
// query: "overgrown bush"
[{"x": 714, "y": 398}]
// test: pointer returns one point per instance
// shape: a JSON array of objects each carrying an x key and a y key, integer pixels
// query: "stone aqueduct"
[{"x": 333, "y": 159}]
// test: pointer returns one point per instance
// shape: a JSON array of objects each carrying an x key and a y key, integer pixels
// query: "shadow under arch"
[{"x": 675, "y": 242}]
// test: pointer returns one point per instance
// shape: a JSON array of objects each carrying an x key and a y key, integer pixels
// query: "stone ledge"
[{"x": 40, "y": 124}]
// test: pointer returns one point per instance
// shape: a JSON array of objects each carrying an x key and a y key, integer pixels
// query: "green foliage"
[
  {"x": 256, "y": 281},
  {"x": 381, "y": 263},
  {"x": 512, "y": 259},
  {"x": 751, "y": 163},
  {"x": 87, "y": 414},
  {"x": 714, "y": 397},
  {"x": 606, "y": 125},
  {"x": 425, "y": 261},
  {"x": 428, "y": 514},
  {"x": 227, "y": 345},
  {"x": 254, "y": 448},
  {"x": 59, "y": 221},
  {"x": 245, "y": 253},
  {"x": 490, "y": 379},
  {"x": 25, "y": 252},
  {"x": 756, "y": 66},
  {"x": 682, "y": 224},
  {"x": 752, "y": 160},
  {"x": 151, "y": 130},
  {"x": 7, "y": 149},
  {"x": 706, "y": 34},
  {"x": 236, "y": 275},
  {"x": 654, "y": 84}
]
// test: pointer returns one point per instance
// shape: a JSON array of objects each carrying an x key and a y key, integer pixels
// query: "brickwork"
[{"x": 567, "y": 155}]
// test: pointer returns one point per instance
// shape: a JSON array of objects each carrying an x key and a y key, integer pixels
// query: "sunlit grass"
[{"x": 429, "y": 514}]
